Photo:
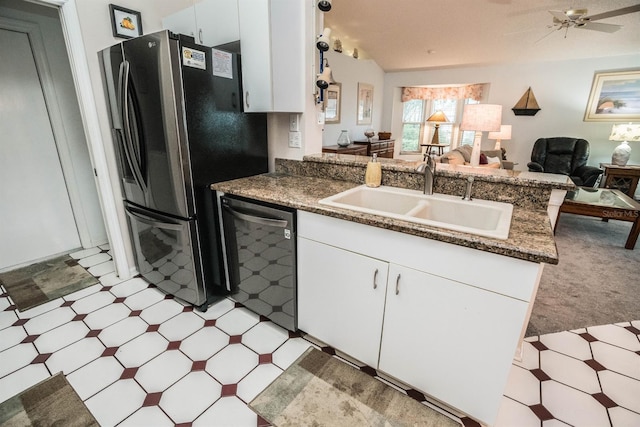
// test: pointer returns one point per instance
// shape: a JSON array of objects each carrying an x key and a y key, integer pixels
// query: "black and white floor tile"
[{"x": 138, "y": 357}]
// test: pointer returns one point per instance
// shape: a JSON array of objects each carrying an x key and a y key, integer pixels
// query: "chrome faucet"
[
  {"x": 467, "y": 190},
  {"x": 428, "y": 168}
]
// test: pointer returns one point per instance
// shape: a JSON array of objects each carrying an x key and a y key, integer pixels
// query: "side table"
[
  {"x": 623, "y": 178},
  {"x": 382, "y": 147},
  {"x": 358, "y": 150}
]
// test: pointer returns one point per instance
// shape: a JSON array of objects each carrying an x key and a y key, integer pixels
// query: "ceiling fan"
[{"x": 578, "y": 18}]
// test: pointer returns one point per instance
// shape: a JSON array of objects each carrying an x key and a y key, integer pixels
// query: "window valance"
[{"x": 441, "y": 92}]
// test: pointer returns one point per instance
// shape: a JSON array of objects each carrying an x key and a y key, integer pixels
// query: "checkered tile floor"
[{"x": 140, "y": 358}]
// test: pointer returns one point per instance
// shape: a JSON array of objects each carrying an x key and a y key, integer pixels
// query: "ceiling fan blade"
[
  {"x": 612, "y": 13},
  {"x": 605, "y": 28},
  {"x": 559, "y": 15}
]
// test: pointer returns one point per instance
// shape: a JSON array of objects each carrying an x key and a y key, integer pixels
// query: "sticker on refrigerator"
[
  {"x": 193, "y": 58},
  {"x": 222, "y": 63}
]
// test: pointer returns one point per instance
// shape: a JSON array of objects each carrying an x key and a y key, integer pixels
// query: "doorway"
[{"x": 50, "y": 200}]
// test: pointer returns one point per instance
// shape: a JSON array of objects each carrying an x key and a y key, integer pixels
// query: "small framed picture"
[
  {"x": 365, "y": 103},
  {"x": 332, "y": 102},
  {"x": 125, "y": 23}
]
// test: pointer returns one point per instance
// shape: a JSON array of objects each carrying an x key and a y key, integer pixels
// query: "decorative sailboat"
[{"x": 527, "y": 105}]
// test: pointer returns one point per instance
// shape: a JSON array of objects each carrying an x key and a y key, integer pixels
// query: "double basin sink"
[{"x": 479, "y": 217}]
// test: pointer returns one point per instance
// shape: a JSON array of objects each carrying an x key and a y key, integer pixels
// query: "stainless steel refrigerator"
[{"x": 177, "y": 126}]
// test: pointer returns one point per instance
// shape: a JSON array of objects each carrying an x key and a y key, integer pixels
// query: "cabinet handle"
[
  {"x": 375, "y": 279},
  {"x": 398, "y": 284},
  {"x": 200, "y": 35},
  {"x": 246, "y": 99}
]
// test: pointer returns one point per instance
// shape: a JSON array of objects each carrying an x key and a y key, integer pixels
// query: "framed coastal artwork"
[
  {"x": 332, "y": 102},
  {"x": 125, "y": 23},
  {"x": 365, "y": 103},
  {"x": 614, "y": 97}
]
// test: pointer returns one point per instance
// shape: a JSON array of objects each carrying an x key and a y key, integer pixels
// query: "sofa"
[{"x": 488, "y": 158}]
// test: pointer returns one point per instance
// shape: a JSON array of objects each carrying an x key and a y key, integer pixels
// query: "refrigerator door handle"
[
  {"x": 144, "y": 218},
  {"x": 123, "y": 97},
  {"x": 281, "y": 223}
]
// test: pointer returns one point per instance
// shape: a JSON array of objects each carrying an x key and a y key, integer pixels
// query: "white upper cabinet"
[
  {"x": 210, "y": 22},
  {"x": 272, "y": 36}
]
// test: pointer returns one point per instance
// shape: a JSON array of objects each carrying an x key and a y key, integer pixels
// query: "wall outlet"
[
  {"x": 294, "y": 122},
  {"x": 295, "y": 139}
]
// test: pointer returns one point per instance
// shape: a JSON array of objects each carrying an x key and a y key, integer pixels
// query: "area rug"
[
  {"x": 319, "y": 390},
  {"x": 595, "y": 282},
  {"x": 45, "y": 281},
  {"x": 52, "y": 402}
]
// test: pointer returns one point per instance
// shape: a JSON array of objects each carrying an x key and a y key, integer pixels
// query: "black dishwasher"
[{"x": 260, "y": 247}]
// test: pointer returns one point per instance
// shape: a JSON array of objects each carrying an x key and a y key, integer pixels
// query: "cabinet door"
[
  {"x": 341, "y": 298},
  {"x": 217, "y": 22},
  {"x": 256, "y": 55},
  {"x": 272, "y": 37},
  {"x": 181, "y": 22},
  {"x": 450, "y": 340}
]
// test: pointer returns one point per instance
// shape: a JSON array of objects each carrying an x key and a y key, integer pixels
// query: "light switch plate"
[
  {"x": 295, "y": 140},
  {"x": 294, "y": 122}
]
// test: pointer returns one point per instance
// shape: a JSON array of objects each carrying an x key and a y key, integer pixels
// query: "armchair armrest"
[
  {"x": 588, "y": 174},
  {"x": 535, "y": 167}
]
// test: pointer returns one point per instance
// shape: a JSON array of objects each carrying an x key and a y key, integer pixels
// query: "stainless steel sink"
[{"x": 479, "y": 217}]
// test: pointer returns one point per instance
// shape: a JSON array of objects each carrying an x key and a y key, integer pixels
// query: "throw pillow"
[
  {"x": 483, "y": 159},
  {"x": 453, "y": 157},
  {"x": 493, "y": 159},
  {"x": 465, "y": 150}
]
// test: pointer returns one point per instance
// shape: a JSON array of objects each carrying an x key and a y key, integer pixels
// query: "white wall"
[
  {"x": 349, "y": 71},
  {"x": 561, "y": 88}
]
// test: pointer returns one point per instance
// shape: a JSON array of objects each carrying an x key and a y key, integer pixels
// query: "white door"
[
  {"x": 36, "y": 220},
  {"x": 461, "y": 342},
  {"x": 341, "y": 298}
]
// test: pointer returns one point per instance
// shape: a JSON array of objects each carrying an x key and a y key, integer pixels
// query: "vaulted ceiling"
[{"x": 421, "y": 34}]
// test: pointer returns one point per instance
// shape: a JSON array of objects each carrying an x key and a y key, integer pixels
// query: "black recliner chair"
[{"x": 567, "y": 156}]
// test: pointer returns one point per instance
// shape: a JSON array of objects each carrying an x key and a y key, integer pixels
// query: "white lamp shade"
[
  {"x": 325, "y": 79},
  {"x": 503, "y": 134},
  {"x": 625, "y": 132},
  {"x": 481, "y": 117}
]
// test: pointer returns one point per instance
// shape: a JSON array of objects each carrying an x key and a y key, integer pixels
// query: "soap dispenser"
[{"x": 373, "y": 175}]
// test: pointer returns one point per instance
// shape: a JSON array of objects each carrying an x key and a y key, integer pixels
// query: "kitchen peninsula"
[
  {"x": 301, "y": 184},
  {"x": 426, "y": 285}
]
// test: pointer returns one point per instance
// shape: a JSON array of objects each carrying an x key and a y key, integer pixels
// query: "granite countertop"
[{"x": 530, "y": 236}]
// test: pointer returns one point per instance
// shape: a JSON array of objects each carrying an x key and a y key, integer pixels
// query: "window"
[{"x": 415, "y": 130}]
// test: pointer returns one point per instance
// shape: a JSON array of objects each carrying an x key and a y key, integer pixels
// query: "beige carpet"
[
  {"x": 319, "y": 390},
  {"x": 52, "y": 402},
  {"x": 38, "y": 283},
  {"x": 596, "y": 282}
]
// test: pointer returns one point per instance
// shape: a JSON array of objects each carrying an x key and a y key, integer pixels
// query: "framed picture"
[
  {"x": 332, "y": 100},
  {"x": 365, "y": 103},
  {"x": 615, "y": 97},
  {"x": 125, "y": 23}
]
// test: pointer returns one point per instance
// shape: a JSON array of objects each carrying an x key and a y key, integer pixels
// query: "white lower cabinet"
[
  {"x": 372, "y": 293},
  {"x": 345, "y": 290}
]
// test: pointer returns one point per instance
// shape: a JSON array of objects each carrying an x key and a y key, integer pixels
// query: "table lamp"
[
  {"x": 624, "y": 133},
  {"x": 437, "y": 118},
  {"x": 503, "y": 133},
  {"x": 480, "y": 118}
]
